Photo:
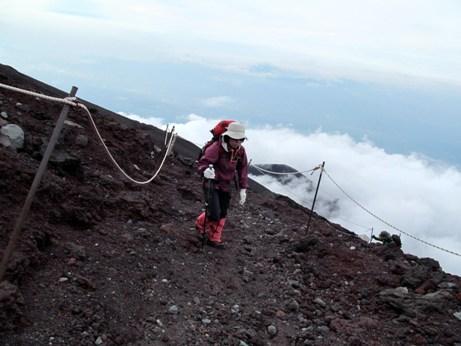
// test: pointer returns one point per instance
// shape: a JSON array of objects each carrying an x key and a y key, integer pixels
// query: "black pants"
[{"x": 218, "y": 203}]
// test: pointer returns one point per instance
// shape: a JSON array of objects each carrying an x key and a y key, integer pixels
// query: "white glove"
[
  {"x": 243, "y": 196},
  {"x": 209, "y": 173}
]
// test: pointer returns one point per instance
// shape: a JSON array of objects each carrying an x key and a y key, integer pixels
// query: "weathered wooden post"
[
  {"x": 36, "y": 182},
  {"x": 315, "y": 196}
]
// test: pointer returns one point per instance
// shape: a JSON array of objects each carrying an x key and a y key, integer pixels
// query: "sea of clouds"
[{"x": 412, "y": 193}]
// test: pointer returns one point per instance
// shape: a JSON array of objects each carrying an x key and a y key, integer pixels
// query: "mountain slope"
[{"x": 104, "y": 261}]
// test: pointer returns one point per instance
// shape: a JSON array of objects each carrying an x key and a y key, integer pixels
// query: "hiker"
[
  {"x": 221, "y": 162},
  {"x": 385, "y": 238}
]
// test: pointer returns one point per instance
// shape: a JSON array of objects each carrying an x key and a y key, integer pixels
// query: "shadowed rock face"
[{"x": 104, "y": 261}]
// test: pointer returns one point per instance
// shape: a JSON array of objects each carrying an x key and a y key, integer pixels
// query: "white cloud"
[
  {"x": 157, "y": 122},
  {"x": 413, "y": 194},
  {"x": 217, "y": 101}
]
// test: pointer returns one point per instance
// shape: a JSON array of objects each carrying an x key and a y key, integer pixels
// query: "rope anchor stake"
[
  {"x": 315, "y": 196},
  {"x": 35, "y": 183}
]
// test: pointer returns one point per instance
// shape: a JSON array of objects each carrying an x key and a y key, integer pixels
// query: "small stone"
[
  {"x": 323, "y": 329},
  {"x": 81, "y": 140},
  {"x": 72, "y": 261},
  {"x": 272, "y": 330},
  {"x": 457, "y": 315},
  {"x": 76, "y": 250},
  {"x": 448, "y": 285},
  {"x": 4, "y": 115},
  {"x": 437, "y": 296},
  {"x": 320, "y": 302},
  {"x": 280, "y": 314},
  {"x": 63, "y": 279},
  {"x": 206, "y": 321},
  {"x": 293, "y": 305},
  {"x": 235, "y": 309},
  {"x": 98, "y": 341},
  {"x": 401, "y": 290},
  {"x": 173, "y": 310},
  {"x": 294, "y": 283}
]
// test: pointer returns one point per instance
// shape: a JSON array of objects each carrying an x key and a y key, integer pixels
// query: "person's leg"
[
  {"x": 216, "y": 236},
  {"x": 224, "y": 200},
  {"x": 200, "y": 222},
  {"x": 213, "y": 211}
]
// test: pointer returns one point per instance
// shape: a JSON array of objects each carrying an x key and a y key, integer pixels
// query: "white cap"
[{"x": 235, "y": 131}]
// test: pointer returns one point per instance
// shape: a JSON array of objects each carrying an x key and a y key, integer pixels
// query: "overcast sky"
[
  {"x": 370, "y": 87},
  {"x": 388, "y": 71},
  {"x": 369, "y": 40}
]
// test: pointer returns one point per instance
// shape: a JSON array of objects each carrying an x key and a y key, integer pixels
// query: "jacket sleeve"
[
  {"x": 209, "y": 157},
  {"x": 242, "y": 171}
]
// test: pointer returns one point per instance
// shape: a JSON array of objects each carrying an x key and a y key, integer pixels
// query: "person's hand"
[
  {"x": 209, "y": 173},
  {"x": 243, "y": 196}
]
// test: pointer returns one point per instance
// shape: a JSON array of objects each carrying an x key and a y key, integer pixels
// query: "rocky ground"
[{"x": 102, "y": 261}]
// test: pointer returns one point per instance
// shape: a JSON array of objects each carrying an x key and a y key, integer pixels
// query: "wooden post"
[
  {"x": 30, "y": 196},
  {"x": 315, "y": 197}
]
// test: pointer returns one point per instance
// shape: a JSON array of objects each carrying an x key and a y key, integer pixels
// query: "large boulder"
[{"x": 15, "y": 134}]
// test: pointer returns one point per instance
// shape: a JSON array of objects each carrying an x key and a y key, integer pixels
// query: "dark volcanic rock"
[
  {"x": 104, "y": 261},
  {"x": 11, "y": 306}
]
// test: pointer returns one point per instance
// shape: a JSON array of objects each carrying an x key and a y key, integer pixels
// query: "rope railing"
[
  {"x": 287, "y": 192},
  {"x": 73, "y": 101},
  {"x": 67, "y": 100},
  {"x": 140, "y": 182},
  {"x": 263, "y": 171},
  {"x": 171, "y": 137},
  {"x": 386, "y": 222},
  {"x": 363, "y": 208}
]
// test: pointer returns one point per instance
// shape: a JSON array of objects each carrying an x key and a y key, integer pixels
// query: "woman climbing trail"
[{"x": 220, "y": 162}]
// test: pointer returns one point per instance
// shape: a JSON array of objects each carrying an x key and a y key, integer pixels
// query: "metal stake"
[
  {"x": 30, "y": 196},
  {"x": 315, "y": 197}
]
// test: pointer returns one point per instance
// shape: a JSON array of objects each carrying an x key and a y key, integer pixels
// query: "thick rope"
[
  {"x": 263, "y": 171},
  {"x": 68, "y": 100},
  {"x": 140, "y": 182},
  {"x": 387, "y": 223},
  {"x": 326, "y": 220},
  {"x": 375, "y": 216},
  {"x": 166, "y": 134},
  {"x": 72, "y": 101}
]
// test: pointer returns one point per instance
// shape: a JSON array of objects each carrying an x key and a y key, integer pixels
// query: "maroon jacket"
[{"x": 225, "y": 164}]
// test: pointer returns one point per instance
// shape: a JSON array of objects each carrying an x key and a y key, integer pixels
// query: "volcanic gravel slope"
[{"x": 104, "y": 261}]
